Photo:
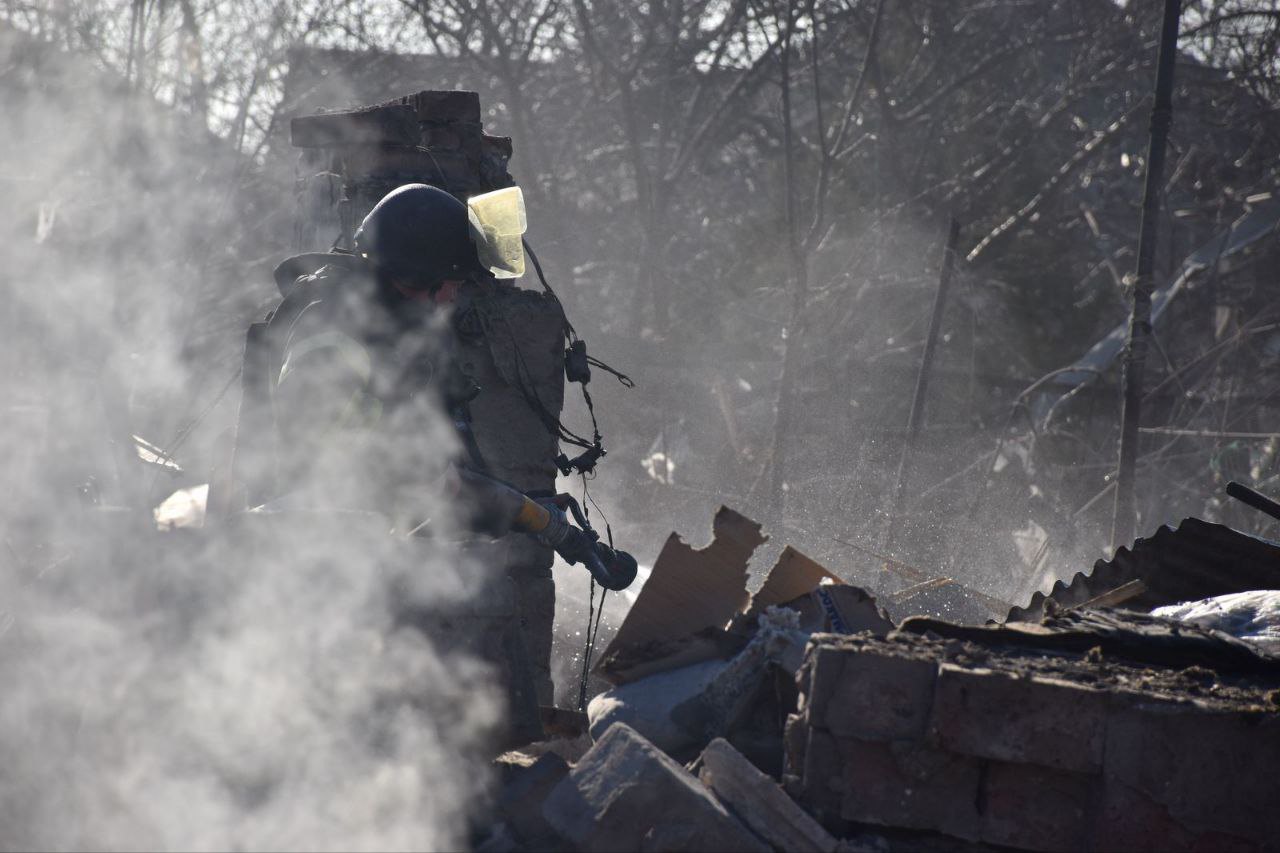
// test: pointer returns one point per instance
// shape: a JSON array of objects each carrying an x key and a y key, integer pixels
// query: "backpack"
[{"x": 255, "y": 452}]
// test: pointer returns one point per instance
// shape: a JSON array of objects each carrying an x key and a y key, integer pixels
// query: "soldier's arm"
[{"x": 496, "y": 508}]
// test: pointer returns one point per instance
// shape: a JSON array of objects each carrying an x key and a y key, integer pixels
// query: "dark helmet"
[{"x": 419, "y": 232}]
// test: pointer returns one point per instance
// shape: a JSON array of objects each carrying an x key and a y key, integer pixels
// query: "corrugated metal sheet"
[{"x": 1196, "y": 560}]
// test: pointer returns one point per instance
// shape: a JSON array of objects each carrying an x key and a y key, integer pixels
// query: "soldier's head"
[{"x": 419, "y": 242}]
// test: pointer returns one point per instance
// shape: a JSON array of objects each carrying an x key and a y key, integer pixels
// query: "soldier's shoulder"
[
  {"x": 317, "y": 270},
  {"x": 324, "y": 291}
]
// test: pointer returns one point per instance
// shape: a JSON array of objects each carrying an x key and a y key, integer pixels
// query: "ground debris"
[
  {"x": 520, "y": 804},
  {"x": 1090, "y": 728},
  {"x": 759, "y": 802},
  {"x": 731, "y": 677},
  {"x": 1134, "y": 636},
  {"x": 695, "y": 607},
  {"x": 626, "y": 794}
]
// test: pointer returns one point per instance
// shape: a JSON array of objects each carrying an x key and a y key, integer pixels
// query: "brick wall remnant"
[{"x": 1034, "y": 749}]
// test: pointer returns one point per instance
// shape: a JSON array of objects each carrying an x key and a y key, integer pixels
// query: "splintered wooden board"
[
  {"x": 794, "y": 575},
  {"x": 692, "y": 588}
]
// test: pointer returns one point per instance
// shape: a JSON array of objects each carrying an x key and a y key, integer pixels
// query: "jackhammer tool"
[{"x": 611, "y": 568}]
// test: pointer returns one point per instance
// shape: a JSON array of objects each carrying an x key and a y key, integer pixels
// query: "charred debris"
[{"x": 806, "y": 717}]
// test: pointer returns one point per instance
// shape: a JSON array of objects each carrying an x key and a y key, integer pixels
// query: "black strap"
[
  {"x": 624, "y": 379},
  {"x": 537, "y": 267},
  {"x": 570, "y": 332},
  {"x": 594, "y": 449}
]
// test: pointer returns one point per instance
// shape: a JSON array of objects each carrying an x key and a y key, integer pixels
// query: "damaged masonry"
[{"x": 804, "y": 718}]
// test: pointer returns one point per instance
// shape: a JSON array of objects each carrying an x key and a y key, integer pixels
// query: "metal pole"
[
  {"x": 1124, "y": 519},
  {"x": 1255, "y": 499},
  {"x": 916, "y": 419}
]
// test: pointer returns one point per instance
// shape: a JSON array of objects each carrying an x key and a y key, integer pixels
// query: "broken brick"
[
  {"x": 821, "y": 779},
  {"x": 1035, "y": 808},
  {"x": 1131, "y": 820},
  {"x": 1209, "y": 769},
  {"x": 626, "y": 794},
  {"x": 1022, "y": 720},
  {"x": 912, "y": 786},
  {"x": 758, "y": 801},
  {"x": 817, "y": 679},
  {"x": 879, "y": 697}
]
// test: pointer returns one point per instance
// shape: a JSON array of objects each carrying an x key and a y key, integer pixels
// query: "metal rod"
[
  {"x": 904, "y": 570},
  {"x": 1255, "y": 499},
  {"x": 915, "y": 421},
  {"x": 1207, "y": 433},
  {"x": 1124, "y": 518}
]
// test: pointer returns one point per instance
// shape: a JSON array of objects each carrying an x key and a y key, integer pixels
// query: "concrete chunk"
[
  {"x": 758, "y": 801},
  {"x": 626, "y": 794},
  {"x": 646, "y": 706}
]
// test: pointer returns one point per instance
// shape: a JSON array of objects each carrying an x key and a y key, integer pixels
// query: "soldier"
[{"x": 363, "y": 351}]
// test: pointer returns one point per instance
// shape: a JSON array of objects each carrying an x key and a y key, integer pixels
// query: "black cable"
[
  {"x": 594, "y": 617},
  {"x": 594, "y": 448},
  {"x": 608, "y": 528},
  {"x": 593, "y": 632},
  {"x": 166, "y": 454},
  {"x": 591, "y": 410},
  {"x": 587, "y": 649},
  {"x": 570, "y": 332},
  {"x": 627, "y": 381}
]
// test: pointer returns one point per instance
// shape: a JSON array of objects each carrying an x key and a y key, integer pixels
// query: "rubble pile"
[{"x": 803, "y": 718}]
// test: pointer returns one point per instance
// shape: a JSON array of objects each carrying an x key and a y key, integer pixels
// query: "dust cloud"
[{"x": 253, "y": 684}]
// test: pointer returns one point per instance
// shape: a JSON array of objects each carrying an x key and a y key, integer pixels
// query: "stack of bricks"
[
  {"x": 1023, "y": 749},
  {"x": 360, "y": 155}
]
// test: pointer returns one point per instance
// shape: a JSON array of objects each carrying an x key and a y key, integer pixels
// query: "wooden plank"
[
  {"x": 791, "y": 577},
  {"x": 690, "y": 588},
  {"x": 1119, "y": 595}
]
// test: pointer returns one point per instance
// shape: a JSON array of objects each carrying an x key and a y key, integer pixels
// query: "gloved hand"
[
  {"x": 611, "y": 569},
  {"x": 569, "y": 542}
]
